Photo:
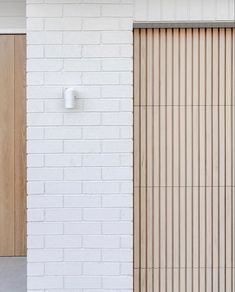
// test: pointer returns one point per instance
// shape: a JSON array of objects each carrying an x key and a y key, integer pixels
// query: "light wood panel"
[
  {"x": 7, "y": 145},
  {"x": 12, "y": 146},
  {"x": 184, "y": 160},
  {"x": 20, "y": 146}
]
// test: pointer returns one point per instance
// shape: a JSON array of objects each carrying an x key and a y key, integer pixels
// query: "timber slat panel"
[
  {"x": 184, "y": 166},
  {"x": 12, "y": 146},
  {"x": 7, "y": 146},
  {"x": 20, "y": 146}
]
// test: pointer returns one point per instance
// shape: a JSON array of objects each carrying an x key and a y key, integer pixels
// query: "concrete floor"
[{"x": 13, "y": 274}]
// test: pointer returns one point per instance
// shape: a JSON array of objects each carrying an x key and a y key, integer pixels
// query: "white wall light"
[{"x": 69, "y": 98}]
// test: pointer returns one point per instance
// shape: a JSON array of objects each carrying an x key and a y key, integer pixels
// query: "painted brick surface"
[{"x": 80, "y": 160}]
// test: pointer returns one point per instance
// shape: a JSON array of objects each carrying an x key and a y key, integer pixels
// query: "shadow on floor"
[{"x": 13, "y": 274}]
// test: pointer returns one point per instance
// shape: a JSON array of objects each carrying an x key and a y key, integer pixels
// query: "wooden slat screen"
[{"x": 184, "y": 205}]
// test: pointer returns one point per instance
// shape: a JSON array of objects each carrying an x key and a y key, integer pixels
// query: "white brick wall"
[{"x": 80, "y": 160}]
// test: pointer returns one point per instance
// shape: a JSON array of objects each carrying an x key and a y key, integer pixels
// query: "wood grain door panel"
[
  {"x": 184, "y": 203},
  {"x": 12, "y": 146}
]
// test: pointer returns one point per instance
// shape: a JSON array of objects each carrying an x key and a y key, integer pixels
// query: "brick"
[
  {"x": 81, "y": 65},
  {"x": 101, "y": 214},
  {"x": 101, "y": 51},
  {"x": 101, "y": 159},
  {"x": 114, "y": 201},
  {"x": 45, "y": 146},
  {"x": 126, "y": 78},
  {"x": 82, "y": 173},
  {"x": 35, "y": 160},
  {"x": 42, "y": 65},
  {"x": 82, "y": 282},
  {"x": 35, "y": 24},
  {"x": 101, "y": 132},
  {"x": 126, "y": 159},
  {"x": 126, "y": 213},
  {"x": 82, "y": 255},
  {"x": 44, "y": 10},
  {"x": 44, "y": 174},
  {"x": 44, "y": 228},
  {"x": 35, "y": 51},
  {"x": 45, "y": 201},
  {"x": 117, "y": 255},
  {"x": 126, "y": 24},
  {"x": 100, "y": 187},
  {"x": 65, "y": 51},
  {"x": 120, "y": 282},
  {"x": 82, "y": 146},
  {"x": 63, "y": 160},
  {"x": 117, "y": 91},
  {"x": 35, "y": 215},
  {"x": 44, "y": 92},
  {"x": 82, "y": 119},
  {"x": 82, "y": 201},
  {"x": 63, "y": 133},
  {"x": 44, "y": 38},
  {"x": 35, "y": 78},
  {"x": 117, "y": 65},
  {"x": 127, "y": 269},
  {"x": 45, "y": 255},
  {"x": 82, "y": 10},
  {"x": 63, "y": 241},
  {"x": 82, "y": 228},
  {"x": 35, "y": 269},
  {"x": 127, "y": 241},
  {"x": 120, "y": 146},
  {"x": 126, "y": 51},
  {"x": 63, "y": 24},
  {"x": 101, "y": 269},
  {"x": 126, "y": 187},
  {"x": 45, "y": 282},
  {"x": 66, "y": 78},
  {"x": 117, "y": 10},
  {"x": 63, "y": 215},
  {"x": 100, "y": 241},
  {"x": 81, "y": 38},
  {"x": 117, "y": 37},
  {"x": 35, "y": 242},
  {"x": 126, "y": 132},
  {"x": 63, "y": 269},
  {"x": 35, "y": 133},
  {"x": 117, "y": 228},
  {"x": 126, "y": 105},
  {"x": 100, "y": 78},
  {"x": 99, "y": 105},
  {"x": 63, "y": 187},
  {"x": 117, "y": 173},
  {"x": 101, "y": 24},
  {"x": 54, "y": 105}
]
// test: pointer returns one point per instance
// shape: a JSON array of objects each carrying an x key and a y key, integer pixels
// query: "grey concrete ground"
[{"x": 13, "y": 274}]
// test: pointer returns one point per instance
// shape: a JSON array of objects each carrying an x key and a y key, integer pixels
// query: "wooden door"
[
  {"x": 184, "y": 204},
  {"x": 12, "y": 146}
]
